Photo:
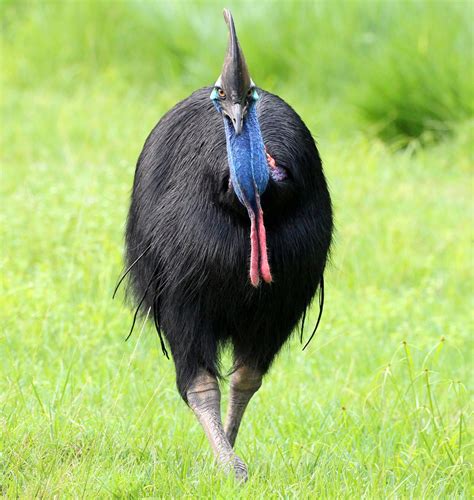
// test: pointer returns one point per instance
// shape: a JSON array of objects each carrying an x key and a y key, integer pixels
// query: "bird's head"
[
  {"x": 234, "y": 96},
  {"x": 234, "y": 90}
]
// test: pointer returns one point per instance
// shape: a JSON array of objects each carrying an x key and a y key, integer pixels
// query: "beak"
[{"x": 237, "y": 118}]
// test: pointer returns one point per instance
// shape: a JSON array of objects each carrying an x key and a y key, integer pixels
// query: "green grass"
[{"x": 379, "y": 405}]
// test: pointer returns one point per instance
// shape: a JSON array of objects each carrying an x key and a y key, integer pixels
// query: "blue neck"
[{"x": 247, "y": 161}]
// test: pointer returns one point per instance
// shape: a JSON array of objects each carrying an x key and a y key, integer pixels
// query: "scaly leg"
[
  {"x": 204, "y": 398},
  {"x": 245, "y": 381}
]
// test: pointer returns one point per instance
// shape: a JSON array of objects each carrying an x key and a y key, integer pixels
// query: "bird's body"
[
  {"x": 189, "y": 250},
  {"x": 198, "y": 231}
]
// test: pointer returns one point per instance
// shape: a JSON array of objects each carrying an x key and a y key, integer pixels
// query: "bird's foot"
[
  {"x": 203, "y": 398},
  {"x": 236, "y": 466}
]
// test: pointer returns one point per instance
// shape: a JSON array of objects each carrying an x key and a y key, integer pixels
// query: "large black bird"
[{"x": 204, "y": 261}]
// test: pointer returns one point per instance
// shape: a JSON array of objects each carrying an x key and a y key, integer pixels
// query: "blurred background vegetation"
[
  {"x": 401, "y": 69},
  {"x": 379, "y": 406}
]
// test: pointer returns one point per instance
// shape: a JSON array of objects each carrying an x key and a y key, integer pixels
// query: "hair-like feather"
[
  {"x": 129, "y": 268},
  {"x": 320, "y": 314}
]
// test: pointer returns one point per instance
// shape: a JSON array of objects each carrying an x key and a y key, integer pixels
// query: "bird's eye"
[
  {"x": 221, "y": 93},
  {"x": 249, "y": 92}
]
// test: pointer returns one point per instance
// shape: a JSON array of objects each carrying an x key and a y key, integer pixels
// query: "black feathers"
[{"x": 187, "y": 243}]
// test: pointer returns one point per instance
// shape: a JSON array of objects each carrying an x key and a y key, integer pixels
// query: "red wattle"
[
  {"x": 259, "y": 266},
  {"x": 254, "y": 251},
  {"x": 262, "y": 240}
]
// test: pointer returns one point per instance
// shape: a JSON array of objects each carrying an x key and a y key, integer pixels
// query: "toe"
[{"x": 240, "y": 470}]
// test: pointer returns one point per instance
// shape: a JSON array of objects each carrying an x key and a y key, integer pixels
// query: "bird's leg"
[
  {"x": 204, "y": 398},
  {"x": 245, "y": 381}
]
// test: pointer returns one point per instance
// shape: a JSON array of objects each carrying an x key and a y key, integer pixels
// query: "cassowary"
[{"x": 227, "y": 238}]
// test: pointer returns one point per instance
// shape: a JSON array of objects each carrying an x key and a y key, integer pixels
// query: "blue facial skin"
[{"x": 246, "y": 154}]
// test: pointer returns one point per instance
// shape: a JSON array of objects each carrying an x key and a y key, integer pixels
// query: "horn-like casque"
[{"x": 235, "y": 74}]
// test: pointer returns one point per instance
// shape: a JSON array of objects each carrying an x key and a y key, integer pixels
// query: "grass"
[{"x": 379, "y": 406}]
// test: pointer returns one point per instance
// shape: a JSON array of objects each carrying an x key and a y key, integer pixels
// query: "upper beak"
[{"x": 237, "y": 118}]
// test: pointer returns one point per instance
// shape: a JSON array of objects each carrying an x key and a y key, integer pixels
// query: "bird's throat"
[{"x": 249, "y": 177}]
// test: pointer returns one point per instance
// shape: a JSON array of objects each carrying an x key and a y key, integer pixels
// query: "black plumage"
[{"x": 187, "y": 242}]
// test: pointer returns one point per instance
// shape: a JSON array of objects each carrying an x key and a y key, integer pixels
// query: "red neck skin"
[{"x": 259, "y": 266}]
